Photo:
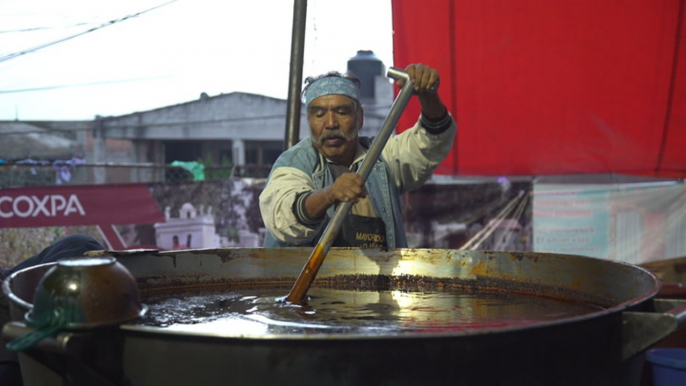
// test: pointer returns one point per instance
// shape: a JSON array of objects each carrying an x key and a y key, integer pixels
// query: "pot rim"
[{"x": 606, "y": 311}]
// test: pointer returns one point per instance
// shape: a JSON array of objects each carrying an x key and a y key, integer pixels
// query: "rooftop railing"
[{"x": 49, "y": 174}]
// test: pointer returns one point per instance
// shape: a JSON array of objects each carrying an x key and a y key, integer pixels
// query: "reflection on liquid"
[{"x": 255, "y": 312}]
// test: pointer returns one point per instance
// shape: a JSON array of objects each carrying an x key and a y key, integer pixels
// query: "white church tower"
[{"x": 192, "y": 229}]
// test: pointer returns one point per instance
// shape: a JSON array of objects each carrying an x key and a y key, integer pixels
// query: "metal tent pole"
[{"x": 296, "y": 73}]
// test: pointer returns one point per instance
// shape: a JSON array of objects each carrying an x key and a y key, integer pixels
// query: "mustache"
[{"x": 331, "y": 134}]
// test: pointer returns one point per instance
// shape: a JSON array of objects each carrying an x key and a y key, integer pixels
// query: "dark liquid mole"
[{"x": 256, "y": 311}]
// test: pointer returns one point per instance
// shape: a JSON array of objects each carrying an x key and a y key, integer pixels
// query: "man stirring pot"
[{"x": 309, "y": 179}]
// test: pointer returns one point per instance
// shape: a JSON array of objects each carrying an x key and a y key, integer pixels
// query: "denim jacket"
[
  {"x": 406, "y": 162},
  {"x": 379, "y": 185}
]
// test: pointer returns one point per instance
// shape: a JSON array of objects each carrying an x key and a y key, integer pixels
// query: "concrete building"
[{"x": 244, "y": 130}]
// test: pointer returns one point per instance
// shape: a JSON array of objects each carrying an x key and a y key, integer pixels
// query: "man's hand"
[
  {"x": 424, "y": 78},
  {"x": 426, "y": 82},
  {"x": 347, "y": 187}
]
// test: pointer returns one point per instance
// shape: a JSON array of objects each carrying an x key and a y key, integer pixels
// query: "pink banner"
[{"x": 77, "y": 205}]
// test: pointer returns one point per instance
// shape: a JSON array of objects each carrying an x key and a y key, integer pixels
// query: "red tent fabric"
[{"x": 554, "y": 87}]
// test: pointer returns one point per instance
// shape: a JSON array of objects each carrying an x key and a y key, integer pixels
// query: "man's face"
[{"x": 334, "y": 123}]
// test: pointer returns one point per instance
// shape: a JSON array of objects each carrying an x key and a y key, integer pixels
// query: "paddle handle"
[{"x": 309, "y": 271}]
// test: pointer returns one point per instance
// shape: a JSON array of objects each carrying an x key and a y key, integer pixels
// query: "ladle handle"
[{"x": 306, "y": 277}]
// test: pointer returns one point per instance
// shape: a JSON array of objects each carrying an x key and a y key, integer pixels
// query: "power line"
[
  {"x": 77, "y": 85},
  {"x": 109, "y": 23},
  {"x": 41, "y": 28}
]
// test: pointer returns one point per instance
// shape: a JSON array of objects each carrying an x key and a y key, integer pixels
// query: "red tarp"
[{"x": 554, "y": 87}]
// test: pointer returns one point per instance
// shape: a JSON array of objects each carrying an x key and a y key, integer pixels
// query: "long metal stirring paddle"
[{"x": 309, "y": 271}]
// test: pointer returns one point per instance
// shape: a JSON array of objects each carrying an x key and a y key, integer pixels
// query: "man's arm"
[
  {"x": 347, "y": 187},
  {"x": 426, "y": 82},
  {"x": 278, "y": 200},
  {"x": 414, "y": 155},
  {"x": 292, "y": 210}
]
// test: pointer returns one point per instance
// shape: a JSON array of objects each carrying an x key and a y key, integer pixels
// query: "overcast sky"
[{"x": 170, "y": 54}]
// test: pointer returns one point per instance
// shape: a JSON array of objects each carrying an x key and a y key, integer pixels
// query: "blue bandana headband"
[{"x": 331, "y": 85}]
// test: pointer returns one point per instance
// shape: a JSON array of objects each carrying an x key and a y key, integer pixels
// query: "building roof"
[{"x": 21, "y": 140}]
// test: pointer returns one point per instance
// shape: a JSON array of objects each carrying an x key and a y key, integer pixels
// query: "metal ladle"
[{"x": 309, "y": 271}]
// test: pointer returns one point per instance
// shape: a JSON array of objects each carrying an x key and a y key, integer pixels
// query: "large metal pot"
[{"x": 599, "y": 348}]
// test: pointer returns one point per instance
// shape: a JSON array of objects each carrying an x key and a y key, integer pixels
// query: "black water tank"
[{"x": 366, "y": 66}]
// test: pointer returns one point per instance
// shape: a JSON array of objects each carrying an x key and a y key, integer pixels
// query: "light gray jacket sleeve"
[
  {"x": 276, "y": 205},
  {"x": 414, "y": 154}
]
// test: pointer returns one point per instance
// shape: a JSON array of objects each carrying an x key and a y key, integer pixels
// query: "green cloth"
[{"x": 196, "y": 168}]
